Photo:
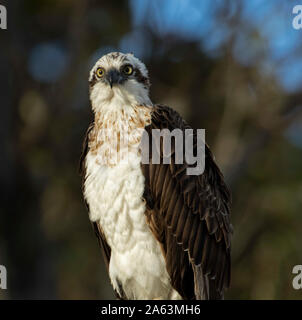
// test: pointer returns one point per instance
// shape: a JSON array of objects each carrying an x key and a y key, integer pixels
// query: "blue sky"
[
  {"x": 277, "y": 42},
  {"x": 266, "y": 39}
]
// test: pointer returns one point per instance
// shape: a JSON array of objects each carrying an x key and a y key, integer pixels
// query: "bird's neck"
[
  {"x": 105, "y": 100},
  {"x": 122, "y": 111},
  {"x": 126, "y": 118},
  {"x": 117, "y": 129}
]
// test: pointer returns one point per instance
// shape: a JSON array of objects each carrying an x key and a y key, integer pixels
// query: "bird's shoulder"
[{"x": 189, "y": 213}]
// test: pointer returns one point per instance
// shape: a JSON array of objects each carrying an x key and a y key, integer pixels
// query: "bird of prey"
[{"x": 164, "y": 234}]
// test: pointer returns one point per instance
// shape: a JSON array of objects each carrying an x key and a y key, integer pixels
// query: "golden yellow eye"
[
  {"x": 100, "y": 72},
  {"x": 128, "y": 70}
]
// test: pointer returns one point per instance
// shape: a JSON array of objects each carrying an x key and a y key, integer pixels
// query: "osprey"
[{"x": 164, "y": 234}]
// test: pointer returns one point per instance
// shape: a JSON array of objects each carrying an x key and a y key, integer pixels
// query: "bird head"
[{"x": 120, "y": 78}]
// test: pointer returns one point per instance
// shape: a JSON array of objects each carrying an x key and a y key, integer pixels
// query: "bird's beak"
[{"x": 113, "y": 76}]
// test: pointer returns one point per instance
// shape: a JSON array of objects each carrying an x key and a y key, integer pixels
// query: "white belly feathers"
[{"x": 115, "y": 198}]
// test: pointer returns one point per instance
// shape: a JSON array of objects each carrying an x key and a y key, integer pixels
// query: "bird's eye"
[
  {"x": 100, "y": 72},
  {"x": 128, "y": 70}
]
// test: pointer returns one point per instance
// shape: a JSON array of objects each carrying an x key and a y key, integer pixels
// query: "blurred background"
[{"x": 232, "y": 67}]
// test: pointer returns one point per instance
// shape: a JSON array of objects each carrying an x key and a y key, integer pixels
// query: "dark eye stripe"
[{"x": 140, "y": 78}]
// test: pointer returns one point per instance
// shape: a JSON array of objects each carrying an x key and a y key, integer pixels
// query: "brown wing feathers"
[{"x": 193, "y": 218}]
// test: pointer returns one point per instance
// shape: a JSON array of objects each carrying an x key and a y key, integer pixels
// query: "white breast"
[{"x": 115, "y": 198}]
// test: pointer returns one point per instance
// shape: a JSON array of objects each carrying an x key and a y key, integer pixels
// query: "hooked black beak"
[{"x": 113, "y": 76}]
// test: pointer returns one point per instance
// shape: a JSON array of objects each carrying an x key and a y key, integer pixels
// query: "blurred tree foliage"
[{"x": 46, "y": 241}]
